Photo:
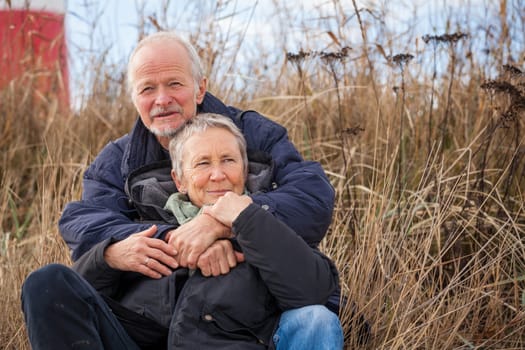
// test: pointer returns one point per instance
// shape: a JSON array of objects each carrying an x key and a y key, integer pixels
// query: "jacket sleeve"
[
  {"x": 96, "y": 271},
  {"x": 104, "y": 211},
  {"x": 295, "y": 273},
  {"x": 303, "y": 197}
]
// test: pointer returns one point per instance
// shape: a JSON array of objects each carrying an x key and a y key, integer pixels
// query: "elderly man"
[{"x": 168, "y": 87}]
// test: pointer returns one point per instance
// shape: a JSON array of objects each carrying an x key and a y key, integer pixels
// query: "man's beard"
[{"x": 166, "y": 132}]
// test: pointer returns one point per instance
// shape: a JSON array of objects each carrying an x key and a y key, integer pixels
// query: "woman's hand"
[{"x": 228, "y": 207}]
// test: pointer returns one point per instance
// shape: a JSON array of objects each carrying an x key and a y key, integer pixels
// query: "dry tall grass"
[{"x": 428, "y": 230}]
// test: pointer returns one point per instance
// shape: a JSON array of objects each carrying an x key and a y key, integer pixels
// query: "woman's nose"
[{"x": 217, "y": 173}]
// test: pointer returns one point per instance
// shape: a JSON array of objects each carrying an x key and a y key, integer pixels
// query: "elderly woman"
[
  {"x": 271, "y": 275},
  {"x": 242, "y": 308}
]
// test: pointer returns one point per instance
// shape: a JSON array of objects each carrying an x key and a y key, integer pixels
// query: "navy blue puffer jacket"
[{"x": 302, "y": 198}]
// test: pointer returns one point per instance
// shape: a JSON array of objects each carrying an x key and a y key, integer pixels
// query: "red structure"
[{"x": 33, "y": 47}]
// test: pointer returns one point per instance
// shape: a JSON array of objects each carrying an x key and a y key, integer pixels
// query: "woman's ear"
[{"x": 180, "y": 187}]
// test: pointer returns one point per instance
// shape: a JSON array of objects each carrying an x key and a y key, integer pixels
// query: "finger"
[
  {"x": 215, "y": 268},
  {"x": 205, "y": 271},
  {"x": 141, "y": 265},
  {"x": 145, "y": 270},
  {"x": 220, "y": 258},
  {"x": 158, "y": 268},
  {"x": 149, "y": 232},
  {"x": 166, "y": 262},
  {"x": 226, "y": 255},
  {"x": 230, "y": 257},
  {"x": 239, "y": 256},
  {"x": 204, "y": 265},
  {"x": 191, "y": 255},
  {"x": 162, "y": 246},
  {"x": 224, "y": 265}
]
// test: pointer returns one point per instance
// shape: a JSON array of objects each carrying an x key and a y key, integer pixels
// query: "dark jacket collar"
[
  {"x": 142, "y": 148},
  {"x": 212, "y": 104}
]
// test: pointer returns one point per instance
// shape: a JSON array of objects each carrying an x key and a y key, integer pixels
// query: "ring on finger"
[{"x": 146, "y": 261}]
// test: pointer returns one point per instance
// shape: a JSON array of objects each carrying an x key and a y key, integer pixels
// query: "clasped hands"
[{"x": 200, "y": 243}]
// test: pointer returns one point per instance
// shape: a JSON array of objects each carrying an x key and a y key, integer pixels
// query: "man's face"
[{"x": 164, "y": 90}]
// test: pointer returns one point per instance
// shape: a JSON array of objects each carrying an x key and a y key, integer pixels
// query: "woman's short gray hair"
[
  {"x": 200, "y": 123},
  {"x": 197, "y": 71}
]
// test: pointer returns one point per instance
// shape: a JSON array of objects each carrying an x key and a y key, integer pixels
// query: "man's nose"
[{"x": 163, "y": 98}]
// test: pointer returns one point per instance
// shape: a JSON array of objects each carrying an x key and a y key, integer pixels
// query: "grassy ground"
[{"x": 428, "y": 165}]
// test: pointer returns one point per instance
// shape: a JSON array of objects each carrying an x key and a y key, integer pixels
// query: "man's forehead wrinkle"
[
  {"x": 148, "y": 71},
  {"x": 149, "y": 67}
]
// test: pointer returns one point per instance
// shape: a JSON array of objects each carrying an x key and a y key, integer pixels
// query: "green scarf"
[{"x": 179, "y": 204}]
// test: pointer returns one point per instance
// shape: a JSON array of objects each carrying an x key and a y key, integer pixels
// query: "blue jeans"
[
  {"x": 310, "y": 327},
  {"x": 63, "y": 311}
]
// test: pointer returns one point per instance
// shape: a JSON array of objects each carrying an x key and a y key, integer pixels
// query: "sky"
[
  {"x": 114, "y": 22},
  {"x": 109, "y": 29}
]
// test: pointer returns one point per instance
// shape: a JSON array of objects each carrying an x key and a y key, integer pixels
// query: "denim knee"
[
  {"x": 309, "y": 327},
  {"x": 321, "y": 317},
  {"x": 312, "y": 316}
]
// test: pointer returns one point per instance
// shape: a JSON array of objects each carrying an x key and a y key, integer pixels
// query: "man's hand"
[
  {"x": 194, "y": 237},
  {"x": 219, "y": 259},
  {"x": 141, "y": 253},
  {"x": 228, "y": 207}
]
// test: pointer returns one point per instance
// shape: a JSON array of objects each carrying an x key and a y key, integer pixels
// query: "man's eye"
[
  {"x": 174, "y": 83},
  {"x": 145, "y": 89},
  {"x": 202, "y": 164}
]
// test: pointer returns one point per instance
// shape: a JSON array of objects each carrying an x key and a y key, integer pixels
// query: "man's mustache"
[{"x": 160, "y": 111}]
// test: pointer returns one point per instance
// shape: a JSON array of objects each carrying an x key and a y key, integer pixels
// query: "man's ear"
[
  {"x": 178, "y": 183},
  {"x": 202, "y": 90}
]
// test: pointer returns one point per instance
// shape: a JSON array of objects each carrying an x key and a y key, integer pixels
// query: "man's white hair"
[{"x": 197, "y": 71}]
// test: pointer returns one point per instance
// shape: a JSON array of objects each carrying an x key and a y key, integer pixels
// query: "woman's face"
[{"x": 211, "y": 166}]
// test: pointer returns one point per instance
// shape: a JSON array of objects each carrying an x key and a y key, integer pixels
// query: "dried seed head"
[
  {"x": 401, "y": 59},
  {"x": 298, "y": 57},
  {"x": 334, "y": 56},
  {"x": 444, "y": 38},
  {"x": 513, "y": 70},
  {"x": 500, "y": 86}
]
